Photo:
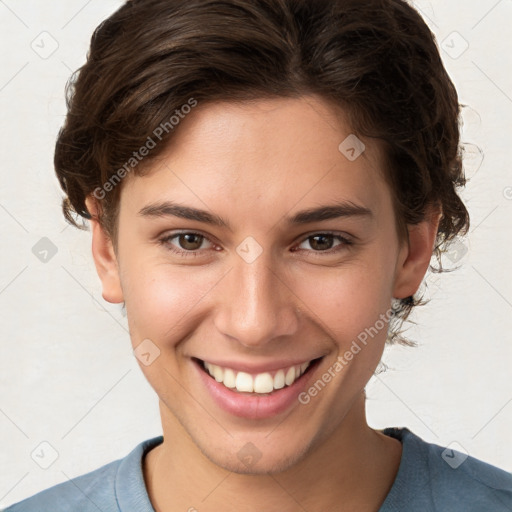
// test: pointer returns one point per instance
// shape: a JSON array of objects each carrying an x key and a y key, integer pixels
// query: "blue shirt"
[{"x": 430, "y": 478}]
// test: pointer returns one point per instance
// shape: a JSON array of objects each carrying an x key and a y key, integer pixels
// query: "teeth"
[
  {"x": 260, "y": 383},
  {"x": 263, "y": 383},
  {"x": 218, "y": 374},
  {"x": 290, "y": 376},
  {"x": 229, "y": 378},
  {"x": 244, "y": 382},
  {"x": 279, "y": 380}
]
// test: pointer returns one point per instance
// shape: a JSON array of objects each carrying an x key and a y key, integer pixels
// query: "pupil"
[
  {"x": 325, "y": 245},
  {"x": 186, "y": 238}
]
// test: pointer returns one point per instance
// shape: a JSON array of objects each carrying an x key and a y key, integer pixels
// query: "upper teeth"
[{"x": 260, "y": 383}]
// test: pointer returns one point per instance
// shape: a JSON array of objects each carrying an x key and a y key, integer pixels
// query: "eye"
[
  {"x": 324, "y": 243},
  {"x": 188, "y": 243}
]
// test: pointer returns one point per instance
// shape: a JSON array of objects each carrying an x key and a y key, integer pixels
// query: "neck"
[{"x": 355, "y": 467}]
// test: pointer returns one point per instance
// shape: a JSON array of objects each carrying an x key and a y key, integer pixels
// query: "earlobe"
[
  {"x": 104, "y": 256},
  {"x": 415, "y": 256}
]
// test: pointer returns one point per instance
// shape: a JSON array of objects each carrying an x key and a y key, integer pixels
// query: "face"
[{"x": 293, "y": 257}]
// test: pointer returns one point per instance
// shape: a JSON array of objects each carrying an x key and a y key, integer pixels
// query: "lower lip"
[{"x": 253, "y": 406}]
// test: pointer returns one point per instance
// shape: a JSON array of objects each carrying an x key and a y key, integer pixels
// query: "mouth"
[
  {"x": 257, "y": 384},
  {"x": 243, "y": 393}
]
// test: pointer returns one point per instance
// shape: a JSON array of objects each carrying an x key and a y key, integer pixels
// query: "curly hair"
[{"x": 376, "y": 59}]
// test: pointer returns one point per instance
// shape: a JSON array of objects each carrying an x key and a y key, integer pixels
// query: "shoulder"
[
  {"x": 444, "y": 478},
  {"x": 102, "y": 489},
  {"x": 91, "y": 491}
]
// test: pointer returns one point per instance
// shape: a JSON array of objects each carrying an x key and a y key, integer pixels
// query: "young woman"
[{"x": 266, "y": 183}]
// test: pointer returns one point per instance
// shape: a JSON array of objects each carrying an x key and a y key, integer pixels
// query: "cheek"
[
  {"x": 162, "y": 299},
  {"x": 349, "y": 302}
]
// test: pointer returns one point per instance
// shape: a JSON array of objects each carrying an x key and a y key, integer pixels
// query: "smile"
[
  {"x": 255, "y": 392},
  {"x": 260, "y": 383}
]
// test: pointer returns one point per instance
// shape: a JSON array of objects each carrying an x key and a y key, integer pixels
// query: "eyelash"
[{"x": 165, "y": 241}]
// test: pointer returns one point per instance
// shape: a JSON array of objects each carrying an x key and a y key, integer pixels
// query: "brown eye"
[
  {"x": 190, "y": 241},
  {"x": 325, "y": 243},
  {"x": 185, "y": 243},
  {"x": 321, "y": 242}
]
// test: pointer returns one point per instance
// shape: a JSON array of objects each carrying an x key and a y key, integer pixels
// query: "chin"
[{"x": 249, "y": 460}]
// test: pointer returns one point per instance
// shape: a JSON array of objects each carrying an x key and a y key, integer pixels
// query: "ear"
[
  {"x": 104, "y": 256},
  {"x": 415, "y": 254}
]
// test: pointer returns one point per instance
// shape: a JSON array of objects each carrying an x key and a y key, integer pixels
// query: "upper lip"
[{"x": 272, "y": 366}]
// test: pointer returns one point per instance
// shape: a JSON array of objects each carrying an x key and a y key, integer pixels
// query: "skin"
[{"x": 254, "y": 164}]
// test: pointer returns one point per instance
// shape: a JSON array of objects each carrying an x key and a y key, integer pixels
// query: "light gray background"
[{"x": 67, "y": 373}]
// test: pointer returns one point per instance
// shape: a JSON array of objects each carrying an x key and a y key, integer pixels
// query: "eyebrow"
[{"x": 334, "y": 211}]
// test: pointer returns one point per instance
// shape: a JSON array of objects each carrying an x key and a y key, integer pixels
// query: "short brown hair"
[{"x": 376, "y": 59}]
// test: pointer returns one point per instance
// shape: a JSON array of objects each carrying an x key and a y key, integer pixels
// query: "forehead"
[{"x": 266, "y": 156}]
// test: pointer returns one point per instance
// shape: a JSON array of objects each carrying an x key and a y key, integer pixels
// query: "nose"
[{"x": 257, "y": 304}]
